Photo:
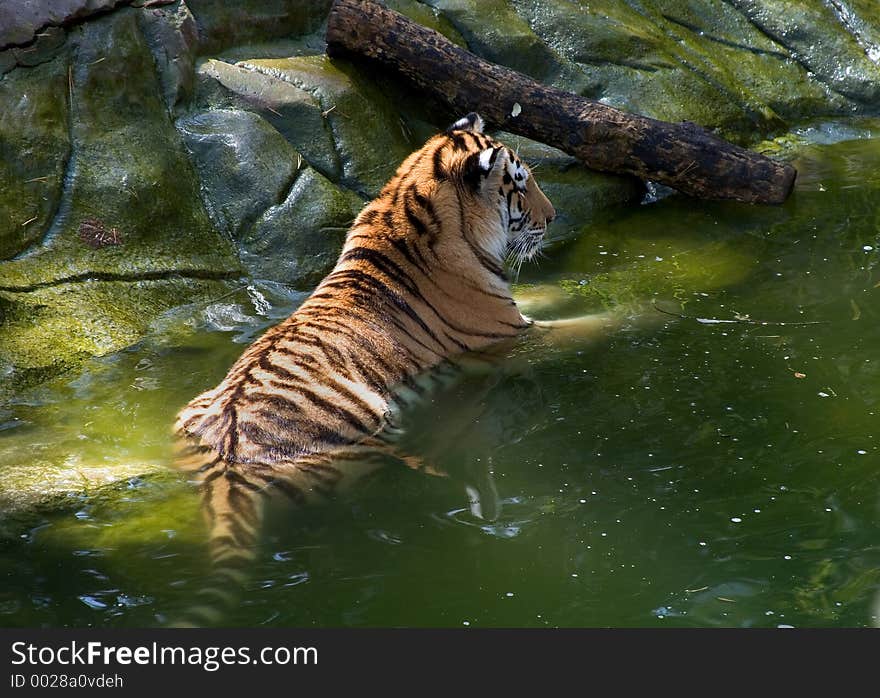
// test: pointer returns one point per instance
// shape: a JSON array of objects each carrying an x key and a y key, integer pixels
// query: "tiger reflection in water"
[{"x": 417, "y": 298}]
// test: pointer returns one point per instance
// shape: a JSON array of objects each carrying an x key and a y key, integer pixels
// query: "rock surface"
[
  {"x": 21, "y": 21},
  {"x": 107, "y": 226}
]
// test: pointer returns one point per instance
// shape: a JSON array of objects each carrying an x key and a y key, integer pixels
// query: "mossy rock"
[
  {"x": 58, "y": 325},
  {"x": 223, "y": 24},
  {"x": 742, "y": 68},
  {"x": 245, "y": 166},
  {"x": 298, "y": 241},
  {"x": 835, "y": 43},
  {"x": 122, "y": 233},
  {"x": 427, "y": 16},
  {"x": 34, "y": 152},
  {"x": 343, "y": 125},
  {"x": 129, "y": 170},
  {"x": 288, "y": 220}
]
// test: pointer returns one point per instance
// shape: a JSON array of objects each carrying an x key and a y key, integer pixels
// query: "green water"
[{"x": 676, "y": 473}]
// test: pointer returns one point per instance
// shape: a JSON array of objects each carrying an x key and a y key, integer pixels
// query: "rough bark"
[{"x": 681, "y": 155}]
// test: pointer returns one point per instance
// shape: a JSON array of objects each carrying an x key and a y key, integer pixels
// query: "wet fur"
[{"x": 314, "y": 404}]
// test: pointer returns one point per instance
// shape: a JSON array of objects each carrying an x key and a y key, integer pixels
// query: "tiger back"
[{"x": 314, "y": 404}]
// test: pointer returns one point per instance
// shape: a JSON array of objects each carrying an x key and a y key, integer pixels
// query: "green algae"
[
  {"x": 34, "y": 151},
  {"x": 679, "y": 270},
  {"x": 367, "y": 136}
]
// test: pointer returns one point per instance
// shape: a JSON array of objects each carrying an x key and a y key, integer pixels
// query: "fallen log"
[{"x": 683, "y": 155}]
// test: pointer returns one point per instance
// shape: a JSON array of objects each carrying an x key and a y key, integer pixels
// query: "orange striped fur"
[{"x": 313, "y": 405}]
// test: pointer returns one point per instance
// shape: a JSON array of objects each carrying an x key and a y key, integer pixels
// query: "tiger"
[{"x": 420, "y": 287}]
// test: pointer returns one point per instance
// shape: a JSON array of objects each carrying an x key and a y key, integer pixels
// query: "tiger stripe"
[{"x": 313, "y": 406}]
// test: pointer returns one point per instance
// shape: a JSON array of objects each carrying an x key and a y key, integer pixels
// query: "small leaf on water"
[{"x": 857, "y": 312}]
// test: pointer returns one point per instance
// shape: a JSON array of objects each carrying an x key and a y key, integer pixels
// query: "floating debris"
[{"x": 695, "y": 591}]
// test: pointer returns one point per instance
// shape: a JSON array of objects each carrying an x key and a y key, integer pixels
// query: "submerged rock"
[{"x": 52, "y": 328}]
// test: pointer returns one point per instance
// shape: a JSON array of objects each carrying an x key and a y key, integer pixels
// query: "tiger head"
[
  {"x": 508, "y": 211},
  {"x": 462, "y": 195}
]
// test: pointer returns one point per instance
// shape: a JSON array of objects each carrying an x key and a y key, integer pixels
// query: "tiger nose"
[{"x": 550, "y": 216}]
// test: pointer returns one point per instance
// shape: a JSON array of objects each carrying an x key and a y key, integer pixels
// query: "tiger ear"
[
  {"x": 471, "y": 122},
  {"x": 478, "y": 166}
]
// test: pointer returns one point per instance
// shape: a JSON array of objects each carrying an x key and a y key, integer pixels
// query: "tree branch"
[{"x": 683, "y": 155}]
